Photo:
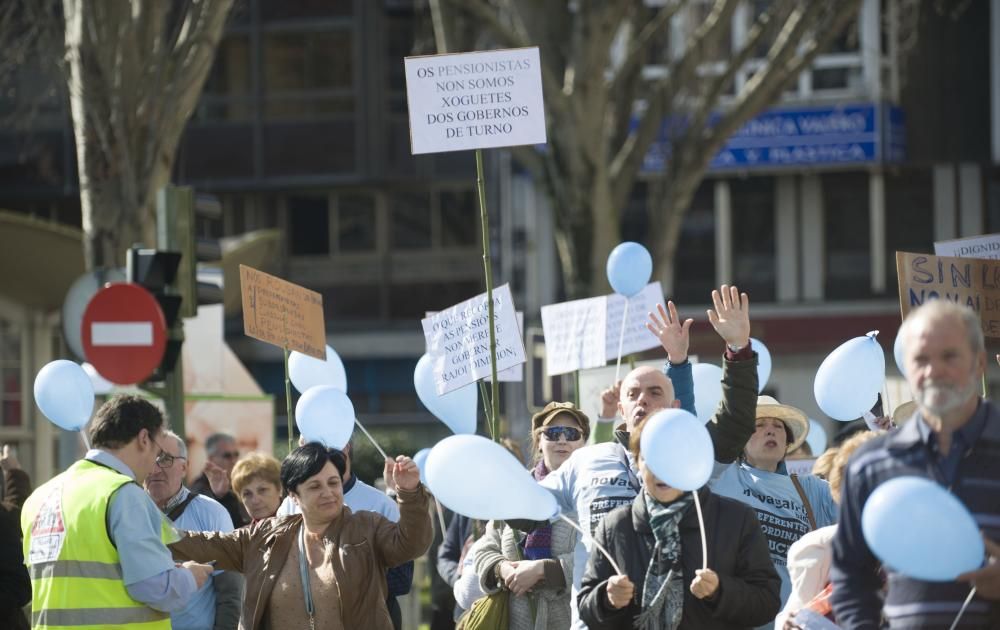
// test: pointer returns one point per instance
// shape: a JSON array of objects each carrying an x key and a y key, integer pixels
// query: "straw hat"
[{"x": 794, "y": 419}]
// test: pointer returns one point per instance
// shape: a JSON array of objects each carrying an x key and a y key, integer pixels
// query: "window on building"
[
  {"x": 909, "y": 217},
  {"x": 356, "y": 223},
  {"x": 754, "y": 261},
  {"x": 694, "y": 263},
  {"x": 308, "y": 225},
  {"x": 411, "y": 220},
  {"x": 228, "y": 91},
  {"x": 10, "y": 375},
  {"x": 308, "y": 73},
  {"x": 304, "y": 9},
  {"x": 846, "y": 235},
  {"x": 459, "y": 214}
]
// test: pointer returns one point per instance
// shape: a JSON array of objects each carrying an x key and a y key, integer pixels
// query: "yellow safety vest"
[{"x": 76, "y": 575}]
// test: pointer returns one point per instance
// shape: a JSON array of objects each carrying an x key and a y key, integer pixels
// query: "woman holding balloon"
[
  {"x": 669, "y": 581},
  {"x": 537, "y": 568}
]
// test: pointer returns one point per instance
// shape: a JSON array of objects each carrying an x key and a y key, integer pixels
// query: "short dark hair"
[
  {"x": 215, "y": 439},
  {"x": 308, "y": 460},
  {"x": 121, "y": 419}
]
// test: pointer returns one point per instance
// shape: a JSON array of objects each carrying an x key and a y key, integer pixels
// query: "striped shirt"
[{"x": 971, "y": 469}]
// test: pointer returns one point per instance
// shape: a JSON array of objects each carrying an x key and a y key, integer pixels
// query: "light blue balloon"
[
  {"x": 64, "y": 394},
  {"x": 678, "y": 449},
  {"x": 921, "y": 530},
  {"x": 457, "y": 409},
  {"x": 897, "y": 354},
  {"x": 478, "y": 478},
  {"x": 420, "y": 459},
  {"x": 816, "y": 438},
  {"x": 849, "y": 379},
  {"x": 763, "y": 363},
  {"x": 306, "y": 372},
  {"x": 629, "y": 268},
  {"x": 325, "y": 414},
  {"x": 707, "y": 389}
]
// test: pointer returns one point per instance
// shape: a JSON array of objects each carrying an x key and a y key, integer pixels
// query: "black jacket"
[{"x": 749, "y": 588}]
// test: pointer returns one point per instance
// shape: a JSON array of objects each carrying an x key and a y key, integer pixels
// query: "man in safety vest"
[{"x": 95, "y": 543}]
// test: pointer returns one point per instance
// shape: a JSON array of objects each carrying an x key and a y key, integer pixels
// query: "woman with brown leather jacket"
[
  {"x": 323, "y": 569},
  {"x": 656, "y": 541}
]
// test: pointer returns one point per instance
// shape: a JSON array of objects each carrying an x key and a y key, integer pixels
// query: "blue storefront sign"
[{"x": 841, "y": 135}]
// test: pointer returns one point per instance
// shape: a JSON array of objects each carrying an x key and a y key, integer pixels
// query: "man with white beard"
[{"x": 953, "y": 439}]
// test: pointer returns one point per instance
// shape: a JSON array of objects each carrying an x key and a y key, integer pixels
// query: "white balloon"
[
  {"x": 478, "y": 478},
  {"x": 101, "y": 385},
  {"x": 678, "y": 449},
  {"x": 306, "y": 371},
  {"x": 420, "y": 459},
  {"x": 849, "y": 379},
  {"x": 816, "y": 439},
  {"x": 898, "y": 354},
  {"x": 325, "y": 414},
  {"x": 707, "y": 389}
]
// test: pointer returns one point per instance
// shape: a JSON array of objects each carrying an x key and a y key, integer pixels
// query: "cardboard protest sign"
[
  {"x": 575, "y": 334},
  {"x": 985, "y": 246},
  {"x": 972, "y": 282},
  {"x": 510, "y": 375},
  {"x": 282, "y": 313},
  {"x": 637, "y": 336},
  {"x": 475, "y": 100},
  {"x": 458, "y": 340}
]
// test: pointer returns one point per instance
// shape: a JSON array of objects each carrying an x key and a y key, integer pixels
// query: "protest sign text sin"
[{"x": 970, "y": 282}]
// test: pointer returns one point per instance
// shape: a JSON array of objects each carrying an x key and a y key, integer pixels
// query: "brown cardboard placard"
[
  {"x": 282, "y": 313},
  {"x": 972, "y": 282}
]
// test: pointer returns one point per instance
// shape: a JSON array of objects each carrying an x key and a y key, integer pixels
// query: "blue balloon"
[
  {"x": 629, "y": 268},
  {"x": 306, "y": 372},
  {"x": 457, "y": 409},
  {"x": 678, "y": 449},
  {"x": 921, "y": 530},
  {"x": 763, "y": 363},
  {"x": 64, "y": 394},
  {"x": 325, "y": 414},
  {"x": 707, "y": 389},
  {"x": 420, "y": 459},
  {"x": 849, "y": 379},
  {"x": 478, "y": 478},
  {"x": 816, "y": 438},
  {"x": 897, "y": 354}
]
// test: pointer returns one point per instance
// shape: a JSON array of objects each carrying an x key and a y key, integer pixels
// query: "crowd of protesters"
[{"x": 118, "y": 540}]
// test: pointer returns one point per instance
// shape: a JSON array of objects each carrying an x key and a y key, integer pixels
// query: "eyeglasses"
[
  {"x": 165, "y": 460},
  {"x": 552, "y": 433}
]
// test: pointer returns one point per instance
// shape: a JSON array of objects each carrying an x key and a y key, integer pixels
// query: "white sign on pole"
[
  {"x": 637, "y": 336},
  {"x": 510, "y": 375},
  {"x": 575, "y": 334},
  {"x": 985, "y": 246},
  {"x": 458, "y": 340},
  {"x": 475, "y": 100}
]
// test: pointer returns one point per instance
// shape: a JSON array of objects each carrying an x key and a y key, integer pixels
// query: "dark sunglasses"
[{"x": 552, "y": 434}]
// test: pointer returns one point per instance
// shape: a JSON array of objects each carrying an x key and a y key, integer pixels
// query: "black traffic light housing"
[{"x": 156, "y": 271}]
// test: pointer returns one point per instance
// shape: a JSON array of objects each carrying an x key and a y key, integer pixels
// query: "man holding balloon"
[
  {"x": 599, "y": 478},
  {"x": 896, "y": 512}
]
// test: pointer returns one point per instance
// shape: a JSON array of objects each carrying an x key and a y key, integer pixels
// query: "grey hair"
[
  {"x": 937, "y": 310},
  {"x": 215, "y": 439},
  {"x": 182, "y": 449}
]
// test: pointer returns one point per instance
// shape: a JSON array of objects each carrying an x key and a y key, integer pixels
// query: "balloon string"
[
  {"x": 440, "y": 513},
  {"x": 701, "y": 526},
  {"x": 968, "y": 599},
  {"x": 371, "y": 439},
  {"x": 596, "y": 544},
  {"x": 86, "y": 440},
  {"x": 621, "y": 340}
]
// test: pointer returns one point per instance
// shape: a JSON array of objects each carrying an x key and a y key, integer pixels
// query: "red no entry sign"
[{"x": 124, "y": 333}]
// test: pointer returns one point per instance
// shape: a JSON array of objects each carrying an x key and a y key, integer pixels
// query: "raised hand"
[
  {"x": 8, "y": 458},
  {"x": 218, "y": 479},
  {"x": 387, "y": 472},
  {"x": 609, "y": 400},
  {"x": 673, "y": 335},
  {"x": 987, "y": 579},
  {"x": 731, "y": 316},
  {"x": 406, "y": 474}
]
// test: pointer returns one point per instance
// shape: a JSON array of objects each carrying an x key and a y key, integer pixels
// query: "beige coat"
[{"x": 368, "y": 544}]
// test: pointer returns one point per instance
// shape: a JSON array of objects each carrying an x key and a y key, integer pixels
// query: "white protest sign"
[
  {"x": 574, "y": 334},
  {"x": 985, "y": 246},
  {"x": 475, "y": 100},
  {"x": 637, "y": 336},
  {"x": 458, "y": 340},
  {"x": 510, "y": 375}
]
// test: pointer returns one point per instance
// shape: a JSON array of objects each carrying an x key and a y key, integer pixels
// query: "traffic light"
[{"x": 156, "y": 271}]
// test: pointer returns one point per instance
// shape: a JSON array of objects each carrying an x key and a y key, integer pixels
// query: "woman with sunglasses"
[{"x": 537, "y": 568}]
